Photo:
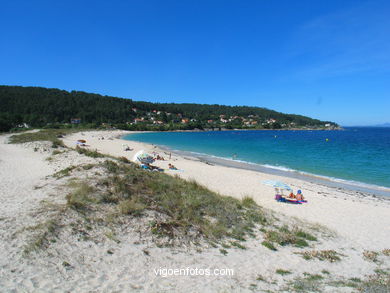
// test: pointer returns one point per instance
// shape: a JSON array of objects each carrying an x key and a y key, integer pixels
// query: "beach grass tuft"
[
  {"x": 186, "y": 209},
  {"x": 131, "y": 207},
  {"x": 44, "y": 234},
  {"x": 284, "y": 236},
  {"x": 370, "y": 255},
  {"x": 81, "y": 197},
  {"x": 282, "y": 272},
  {"x": 376, "y": 283},
  {"x": 248, "y": 201},
  {"x": 64, "y": 172},
  {"x": 89, "y": 153},
  {"x": 269, "y": 245},
  {"x": 328, "y": 255},
  {"x": 51, "y": 135},
  {"x": 386, "y": 252},
  {"x": 307, "y": 283}
]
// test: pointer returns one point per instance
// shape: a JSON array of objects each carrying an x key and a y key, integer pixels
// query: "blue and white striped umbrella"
[{"x": 277, "y": 184}]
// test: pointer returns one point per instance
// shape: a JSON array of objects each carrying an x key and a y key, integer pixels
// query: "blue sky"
[{"x": 326, "y": 59}]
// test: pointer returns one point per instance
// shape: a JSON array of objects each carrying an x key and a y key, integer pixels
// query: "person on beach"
[
  {"x": 299, "y": 195},
  {"x": 160, "y": 158},
  {"x": 171, "y": 167}
]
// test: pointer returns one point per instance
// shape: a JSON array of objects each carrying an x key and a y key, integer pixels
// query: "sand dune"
[{"x": 128, "y": 263}]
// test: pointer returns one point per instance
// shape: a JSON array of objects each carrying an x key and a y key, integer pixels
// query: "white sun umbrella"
[
  {"x": 143, "y": 157},
  {"x": 277, "y": 185},
  {"x": 137, "y": 154}
]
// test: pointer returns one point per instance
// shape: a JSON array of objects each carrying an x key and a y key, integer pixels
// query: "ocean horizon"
[{"x": 358, "y": 156}]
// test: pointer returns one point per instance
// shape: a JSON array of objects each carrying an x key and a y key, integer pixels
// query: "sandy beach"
[
  {"x": 362, "y": 219},
  {"x": 354, "y": 223}
]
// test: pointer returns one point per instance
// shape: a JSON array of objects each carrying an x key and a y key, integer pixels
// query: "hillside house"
[{"x": 75, "y": 120}]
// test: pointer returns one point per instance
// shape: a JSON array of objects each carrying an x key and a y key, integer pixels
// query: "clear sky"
[{"x": 326, "y": 59}]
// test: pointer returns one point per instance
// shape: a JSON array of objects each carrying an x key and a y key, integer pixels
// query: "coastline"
[
  {"x": 354, "y": 186},
  {"x": 99, "y": 249},
  {"x": 362, "y": 212}
]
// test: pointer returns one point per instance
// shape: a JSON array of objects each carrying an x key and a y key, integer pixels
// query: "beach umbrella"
[
  {"x": 143, "y": 157},
  {"x": 135, "y": 157},
  {"x": 277, "y": 184}
]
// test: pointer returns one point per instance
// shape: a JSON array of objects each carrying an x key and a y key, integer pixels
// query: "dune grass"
[
  {"x": 323, "y": 255},
  {"x": 43, "y": 234},
  {"x": 81, "y": 197},
  {"x": 282, "y": 272},
  {"x": 190, "y": 208},
  {"x": 51, "y": 135},
  {"x": 64, "y": 172},
  {"x": 376, "y": 283},
  {"x": 89, "y": 153},
  {"x": 284, "y": 236},
  {"x": 181, "y": 209}
]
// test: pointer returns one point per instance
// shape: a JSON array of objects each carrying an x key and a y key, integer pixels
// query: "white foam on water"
[{"x": 284, "y": 169}]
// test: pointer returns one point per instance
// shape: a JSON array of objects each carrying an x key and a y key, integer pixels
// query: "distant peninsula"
[{"x": 25, "y": 107}]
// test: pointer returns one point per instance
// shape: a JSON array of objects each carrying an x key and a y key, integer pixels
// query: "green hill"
[{"x": 43, "y": 107}]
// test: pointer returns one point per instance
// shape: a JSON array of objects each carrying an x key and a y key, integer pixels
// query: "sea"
[{"x": 354, "y": 156}]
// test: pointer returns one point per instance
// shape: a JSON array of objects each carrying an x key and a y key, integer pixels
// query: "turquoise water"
[{"x": 354, "y": 154}]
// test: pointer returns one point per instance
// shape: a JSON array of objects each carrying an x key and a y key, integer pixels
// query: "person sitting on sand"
[
  {"x": 160, "y": 158},
  {"x": 299, "y": 195},
  {"x": 291, "y": 195},
  {"x": 171, "y": 167}
]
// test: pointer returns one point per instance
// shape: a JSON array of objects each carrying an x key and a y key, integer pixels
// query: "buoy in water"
[{"x": 327, "y": 139}]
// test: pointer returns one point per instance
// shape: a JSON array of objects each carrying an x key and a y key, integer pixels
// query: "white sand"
[{"x": 361, "y": 222}]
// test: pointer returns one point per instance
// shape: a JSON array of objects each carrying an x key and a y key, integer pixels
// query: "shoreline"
[
  {"x": 362, "y": 214},
  {"x": 372, "y": 190},
  {"x": 354, "y": 186},
  {"x": 90, "y": 249}
]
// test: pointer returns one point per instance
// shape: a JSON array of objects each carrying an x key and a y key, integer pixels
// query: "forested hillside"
[{"x": 43, "y": 107}]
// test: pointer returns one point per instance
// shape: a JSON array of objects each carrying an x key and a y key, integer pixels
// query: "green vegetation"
[
  {"x": 182, "y": 211},
  {"x": 284, "y": 236},
  {"x": 189, "y": 209},
  {"x": 124, "y": 160},
  {"x": 81, "y": 197},
  {"x": 51, "y": 135},
  {"x": 269, "y": 245},
  {"x": 44, "y": 233},
  {"x": 261, "y": 278},
  {"x": 131, "y": 207},
  {"x": 53, "y": 108},
  {"x": 377, "y": 283},
  {"x": 282, "y": 272},
  {"x": 89, "y": 153},
  {"x": 308, "y": 283},
  {"x": 371, "y": 255},
  {"x": 305, "y": 235},
  {"x": 223, "y": 251},
  {"x": 328, "y": 255},
  {"x": 237, "y": 244},
  {"x": 64, "y": 172}
]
